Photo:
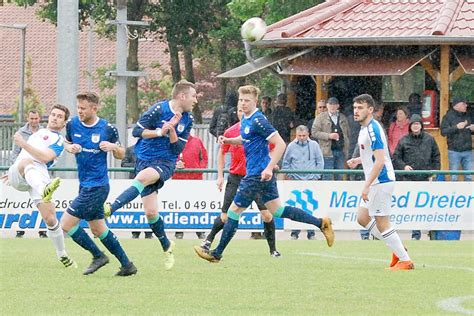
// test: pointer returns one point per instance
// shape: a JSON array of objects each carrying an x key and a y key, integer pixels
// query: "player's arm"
[
  {"x": 42, "y": 155},
  {"x": 379, "y": 162},
  {"x": 220, "y": 168},
  {"x": 177, "y": 143},
  {"x": 112, "y": 144},
  {"x": 230, "y": 141},
  {"x": 278, "y": 150}
]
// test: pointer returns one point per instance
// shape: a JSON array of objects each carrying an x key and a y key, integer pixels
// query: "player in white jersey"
[
  {"x": 29, "y": 173},
  {"x": 374, "y": 210}
]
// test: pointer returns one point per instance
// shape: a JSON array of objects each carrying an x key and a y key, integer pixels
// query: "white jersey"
[
  {"x": 43, "y": 139},
  {"x": 371, "y": 138}
]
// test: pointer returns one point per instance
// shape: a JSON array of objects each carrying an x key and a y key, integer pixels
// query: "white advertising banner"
[{"x": 192, "y": 204}]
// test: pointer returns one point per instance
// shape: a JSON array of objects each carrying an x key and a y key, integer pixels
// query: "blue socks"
[
  {"x": 297, "y": 215},
  {"x": 128, "y": 195},
  {"x": 230, "y": 227},
  {"x": 79, "y": 235},
  {"x": 158, "y": 228},
  {"x": 112, "y": 244}
]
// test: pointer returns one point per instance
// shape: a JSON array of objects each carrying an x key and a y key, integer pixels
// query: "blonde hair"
[
  {"x": 183, "y": 86},
  {"x": 250, "y": 90}
]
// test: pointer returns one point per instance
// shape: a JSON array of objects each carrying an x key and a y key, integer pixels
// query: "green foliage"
[
  {"x": 309, "y": 279},
  {"x": 464, "y": 87}
]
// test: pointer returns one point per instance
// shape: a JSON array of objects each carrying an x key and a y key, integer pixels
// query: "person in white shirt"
[
  {"x": 374, "y": 210},
  {"x": 29, "y": 173}
]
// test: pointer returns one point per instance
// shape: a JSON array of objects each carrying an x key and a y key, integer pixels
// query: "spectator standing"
[
  {"x": 32, "y": 126},
  {"x": 283, "y": 118},
  {"x": 225, "y": 115},
  {"x": 416, "y": 151},
  {"x": 266, "y": 106},
  {"x": 458, "y": 127},
  {"x": 194, "y": 155},
  {"x": 303, "y": 153},
  {"x": 398, "y": 129},
  {"x": 320, "y": 107},
  {"x": 331, "y": 130}
]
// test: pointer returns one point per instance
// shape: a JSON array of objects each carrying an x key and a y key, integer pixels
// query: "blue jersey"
[
  {"x": 255, "y": 131},
  {"x": 159, "y": 147},
  {"x": 91, "y": 161}
]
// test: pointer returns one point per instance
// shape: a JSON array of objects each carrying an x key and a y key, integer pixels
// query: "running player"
[
  {"x": 91, "y": 138},
  {"x": 374, "y": 210},
  {"x": 236, "y": 173},
  {"x": 163, "y": 132},
  {"x": 29, "y": 173},
  {"x": 255, "y": 134}
]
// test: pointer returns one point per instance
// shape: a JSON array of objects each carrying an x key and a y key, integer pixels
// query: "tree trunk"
[
  {"x": 174, "y": 58},
  {"x": 132, "y": 82},
  {"x": 188, "y": 62}
]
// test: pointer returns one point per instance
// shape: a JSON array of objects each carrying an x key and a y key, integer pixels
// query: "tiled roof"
[
  {"x": 378, "y": 18},
  {"x": 41, "y": 46}
]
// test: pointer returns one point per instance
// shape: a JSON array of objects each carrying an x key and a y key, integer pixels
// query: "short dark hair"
[
  {"x": 365, "y": 98},
  {"x": 88, "y": 96},
  {"x": 34, "y": 111},
  {"x": 62, "y": 108},
  {"x": 282, "y": 98},
  {"x": 182, "y": 87},
  {"x": 268, "y": 99}
]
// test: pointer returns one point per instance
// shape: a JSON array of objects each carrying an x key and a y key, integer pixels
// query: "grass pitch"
[{"x": 309, "y": 279}]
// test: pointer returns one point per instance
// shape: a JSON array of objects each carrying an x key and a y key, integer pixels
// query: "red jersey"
[
  {"x": 194, "y": 155},
  {"x": 237, "y": 152}
]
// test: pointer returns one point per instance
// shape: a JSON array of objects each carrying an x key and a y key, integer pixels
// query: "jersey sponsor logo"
[
  {"x": 180, "y": 128},
  {"x": 77, "y": 135},
  {"x": 247, "y": 130},
  {"x": 95, "y": 138},
  {"x": 362, "y": 146}
]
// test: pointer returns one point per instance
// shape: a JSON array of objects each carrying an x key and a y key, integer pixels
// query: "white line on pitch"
[
  {"x": 432, "y": 266},
  {"x": 454, "y": 305}
]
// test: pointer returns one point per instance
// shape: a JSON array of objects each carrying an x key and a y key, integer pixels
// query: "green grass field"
[{"x": 310, "y": 279}]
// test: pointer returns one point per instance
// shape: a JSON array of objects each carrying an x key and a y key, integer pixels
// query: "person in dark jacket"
[
  {"x": 283, "y": 118},
  {"x": 457, "y": 127},
  {"x": 225, "y": 115},
  {"x": 416, "y": 151}
]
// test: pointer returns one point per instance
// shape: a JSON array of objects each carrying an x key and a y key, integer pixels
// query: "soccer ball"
[{"x": 253, "y": 29}]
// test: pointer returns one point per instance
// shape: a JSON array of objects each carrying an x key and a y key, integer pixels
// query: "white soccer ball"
[{"x": 253, "y": 29}]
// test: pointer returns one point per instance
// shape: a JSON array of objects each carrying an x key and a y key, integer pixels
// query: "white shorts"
[
  {"x": 18, "y": 181},
  {"x": 380, "y": 199}
]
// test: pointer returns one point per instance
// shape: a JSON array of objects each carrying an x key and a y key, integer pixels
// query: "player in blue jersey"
[
  {"x": 91, "y": 138},
  {"x": 374, "y": 210},
  {"x": 29, "y": 173},
  {"x": 163, "y": 132},
  {"x": 255, "y": 134}
]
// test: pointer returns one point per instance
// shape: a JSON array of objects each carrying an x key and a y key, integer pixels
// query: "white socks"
[
  {"x": 373, "y": 230},
  {"x": 56, "y": 235},
  {"x": 393, "y": 242}
]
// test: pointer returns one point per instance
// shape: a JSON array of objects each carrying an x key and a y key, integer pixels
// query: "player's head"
[
  {"x": 184, "y": 94},
  {"x": 364, "y": 106},
  {"x": 33, "y": 118},
  {"x": 57, "y": 117},
  {"x": 87, "y": 106},
  {"x": 248, "y": 97},
  {"x": 302, "y": 134}
]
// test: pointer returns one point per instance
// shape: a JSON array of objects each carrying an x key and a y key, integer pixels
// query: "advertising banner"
[{"x": 193, "y": 205}]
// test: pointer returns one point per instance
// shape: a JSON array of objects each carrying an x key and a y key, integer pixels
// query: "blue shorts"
[
  {"x": 89, "y": 205},
  {"x": 252, "y": 187},
  {"x": 164, "y": 167}
]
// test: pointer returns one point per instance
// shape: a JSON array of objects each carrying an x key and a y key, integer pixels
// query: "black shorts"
[{"x": 233, "y": 182}]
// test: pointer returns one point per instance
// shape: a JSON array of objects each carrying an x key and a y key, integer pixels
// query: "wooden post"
[{"x": 444, "y": 102}]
